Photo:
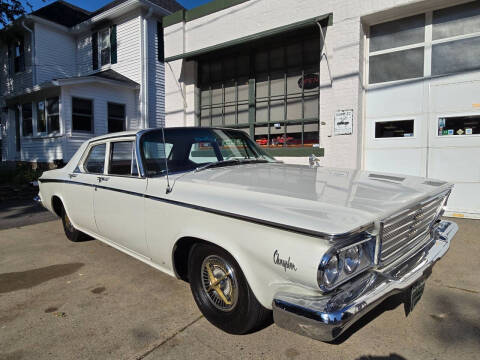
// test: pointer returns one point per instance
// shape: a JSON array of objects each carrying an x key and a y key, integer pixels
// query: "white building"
[
  {"x": 67, "y": 75},
  {"x": 391, "y": 85}
]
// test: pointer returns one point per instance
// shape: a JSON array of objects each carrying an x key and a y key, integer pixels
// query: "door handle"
[
  {"x": 72, "y": 175},
  {"x": 102, "y": 178}
]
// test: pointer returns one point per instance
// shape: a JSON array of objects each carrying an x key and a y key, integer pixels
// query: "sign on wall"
[{"x": 343, "y": 122}]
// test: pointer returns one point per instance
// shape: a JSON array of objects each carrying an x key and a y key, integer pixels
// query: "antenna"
[{"x": 169, "y": 189}]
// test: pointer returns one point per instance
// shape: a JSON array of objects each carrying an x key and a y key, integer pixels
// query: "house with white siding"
[{"x": 67, "y": 74}]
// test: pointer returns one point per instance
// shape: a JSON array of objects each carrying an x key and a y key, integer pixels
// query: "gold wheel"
[{"x": 219, "y": 283}]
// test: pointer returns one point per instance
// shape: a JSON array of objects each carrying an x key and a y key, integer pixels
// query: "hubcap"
[{"x": 219, "y": 283}]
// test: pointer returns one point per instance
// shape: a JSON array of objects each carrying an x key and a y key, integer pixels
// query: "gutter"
[{"x": 34, "y": 65}]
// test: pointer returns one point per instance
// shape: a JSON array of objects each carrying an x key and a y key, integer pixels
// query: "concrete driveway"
[{"x": 61, "y": 300}]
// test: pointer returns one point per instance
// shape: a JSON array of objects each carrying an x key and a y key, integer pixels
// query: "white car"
[{"x": 318, "y": 246}]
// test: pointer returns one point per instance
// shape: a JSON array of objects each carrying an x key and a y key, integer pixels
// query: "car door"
[
  {"x": 79, "y": 187},
  {"x": 118, "y": 198}
]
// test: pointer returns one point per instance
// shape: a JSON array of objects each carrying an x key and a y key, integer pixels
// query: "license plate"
[{"x": 414, "y": 294}]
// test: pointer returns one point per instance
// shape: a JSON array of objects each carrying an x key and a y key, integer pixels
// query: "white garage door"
[{"x": 423, "y": 101}]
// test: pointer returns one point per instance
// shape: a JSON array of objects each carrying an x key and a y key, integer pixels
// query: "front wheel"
[
  {"x": 70, "y": 231},
  {"x": 222, "y": 292}
]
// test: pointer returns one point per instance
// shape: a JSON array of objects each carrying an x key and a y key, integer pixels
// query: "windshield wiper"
[{"x": 218, "y": 164}]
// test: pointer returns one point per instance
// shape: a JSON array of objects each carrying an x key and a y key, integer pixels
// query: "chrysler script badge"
[{"x": 285, "y": 263}]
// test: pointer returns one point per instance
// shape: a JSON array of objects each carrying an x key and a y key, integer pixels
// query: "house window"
[
  {"x": 271, "y": 87},
  {"x": 27, "y": 126},
  {"x": 116, "y": 117},
  {"x": 104, "y": 47},
  {"x": 53, "y": 118},
  {"x": 392, "y": 129},
  {"x": 41, "y": 117},
  {"x": 19, "y": 56},
  {"x": 82, "y": 115},
  {"x": 48, "y": 119}
]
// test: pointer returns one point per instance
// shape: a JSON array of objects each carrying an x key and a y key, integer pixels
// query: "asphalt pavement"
[{"x": 64, "y": 300}]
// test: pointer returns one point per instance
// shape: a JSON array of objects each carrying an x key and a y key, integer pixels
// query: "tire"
[
  {"x": 230, "y": 305},
  {"x": 70, "y": 231}
]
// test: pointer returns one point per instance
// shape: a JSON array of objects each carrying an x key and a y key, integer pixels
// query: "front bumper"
[{"x": 325, "y": 317}]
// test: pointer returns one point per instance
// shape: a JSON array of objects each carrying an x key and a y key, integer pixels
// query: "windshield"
[{"x": 188, "y": 149}]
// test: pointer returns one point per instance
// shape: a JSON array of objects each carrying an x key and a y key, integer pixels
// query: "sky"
[{"x": 92, "y": 5}]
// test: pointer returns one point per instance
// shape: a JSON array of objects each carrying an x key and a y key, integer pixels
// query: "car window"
[
  {"x": 123, "y": 158},
  {"x": 95, "y": 162},
  {"x": 202, "y": 152}
]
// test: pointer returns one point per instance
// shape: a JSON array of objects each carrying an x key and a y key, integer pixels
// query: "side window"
[
  {"x": 123, "y": 159},
  {"x": 95, "y": 162},
  {"x": 202, "y": 152}
]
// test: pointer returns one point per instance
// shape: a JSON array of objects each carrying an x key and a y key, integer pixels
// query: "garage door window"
[
  {"x": 459, "y": 125},
  {"x": 403, "y": 49},
  {"x": 394, "y": 129}
]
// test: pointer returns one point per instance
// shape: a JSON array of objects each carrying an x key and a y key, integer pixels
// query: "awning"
[{"x": 326, "y": 20}]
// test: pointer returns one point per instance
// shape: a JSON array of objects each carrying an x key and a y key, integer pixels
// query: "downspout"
[
  {"x": 34, "y": 67},
  {"x": 146, "y": 68},
  {"x": 322, "y": 39}
]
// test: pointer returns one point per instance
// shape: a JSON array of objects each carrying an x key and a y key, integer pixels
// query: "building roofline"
[{"x": 200, "y": 11}]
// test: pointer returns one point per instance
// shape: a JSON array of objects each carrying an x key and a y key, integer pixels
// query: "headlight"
[
  {"x": 345, "y": 261},
  {"x": 352, "y": 259},
  {"x": 330, "y": 274}
]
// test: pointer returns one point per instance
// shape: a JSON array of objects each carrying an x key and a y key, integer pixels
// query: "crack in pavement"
[{"x": 156, "y": 346}]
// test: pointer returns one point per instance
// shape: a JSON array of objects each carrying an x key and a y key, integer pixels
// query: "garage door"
[{"x": 423, "y": 100}]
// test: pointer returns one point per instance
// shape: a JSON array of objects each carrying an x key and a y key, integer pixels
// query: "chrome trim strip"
[
  {"x": 344, "y": 237},
  {"x": 326, "y": 316}
]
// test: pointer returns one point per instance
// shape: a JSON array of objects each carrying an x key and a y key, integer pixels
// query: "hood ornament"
[{"x": 314, "y": 161}]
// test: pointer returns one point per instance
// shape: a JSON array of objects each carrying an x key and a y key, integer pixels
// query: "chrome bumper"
[{"x": 325, "y": 317}]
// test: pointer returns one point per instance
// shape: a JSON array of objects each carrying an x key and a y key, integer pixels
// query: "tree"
[{"x": 12, "y": 9}]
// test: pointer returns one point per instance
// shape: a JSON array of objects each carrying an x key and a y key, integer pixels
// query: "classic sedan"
[{"x": 318, "y": 246}]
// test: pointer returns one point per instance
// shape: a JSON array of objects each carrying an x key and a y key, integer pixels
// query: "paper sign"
[{"x": 343, "y": 122}]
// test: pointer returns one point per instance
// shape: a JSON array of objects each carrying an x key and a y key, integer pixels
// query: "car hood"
[{"x": 325, "y": 200}]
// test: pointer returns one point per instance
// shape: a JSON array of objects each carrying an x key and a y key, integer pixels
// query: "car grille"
[{"x": 409, "y": 230}]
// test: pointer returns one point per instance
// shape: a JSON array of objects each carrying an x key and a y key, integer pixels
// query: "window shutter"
[
  {"x": 95, "y": 50},
  {"x": 160, "y": 50},
  {"x": 113, "y": 44}
]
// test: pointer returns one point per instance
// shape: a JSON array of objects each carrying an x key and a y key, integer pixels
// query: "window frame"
[
  {"x": 100, "y": 48},
  {"x": 453, "y": 115},
  {"x": 87, "y": 153},
  {"x": 20, "y": 44},
  {"x": 395, "y": 138},
  {"x": 252, "y": 100},
  {"x": 46, "y": 114},
  {"x": 427, "y": 44},
  {"x": 110, "y": 148},
  {"x": 23, "y": 120},
  {"x": 92, "y": 117},
  {"x": 115, "y": 118}
]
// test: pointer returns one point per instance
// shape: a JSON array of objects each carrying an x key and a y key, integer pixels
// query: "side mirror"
[{"x": 314, "y": 161}]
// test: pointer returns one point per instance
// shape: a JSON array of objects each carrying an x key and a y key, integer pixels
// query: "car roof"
[{"x": 135, "y": 132}]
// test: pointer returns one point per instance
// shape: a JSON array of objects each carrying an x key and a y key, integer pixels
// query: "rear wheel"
[
  {"x": 222, "y": 292},
  {"x": 70, "y": 231}
]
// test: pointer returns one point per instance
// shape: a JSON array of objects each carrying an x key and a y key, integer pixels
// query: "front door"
[{"x": 118, "y": 199}]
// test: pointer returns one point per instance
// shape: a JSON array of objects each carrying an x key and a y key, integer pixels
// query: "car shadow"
[{"x": 27, "y": 279}]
